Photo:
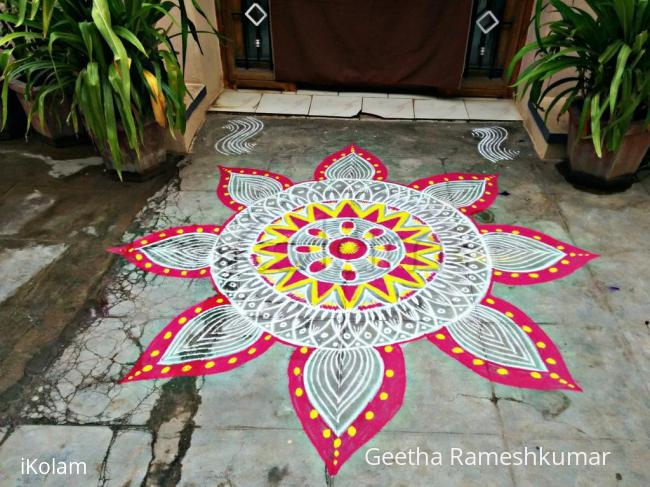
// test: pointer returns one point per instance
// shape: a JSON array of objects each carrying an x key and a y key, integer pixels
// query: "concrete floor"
[{"x": 239, "y": 428}]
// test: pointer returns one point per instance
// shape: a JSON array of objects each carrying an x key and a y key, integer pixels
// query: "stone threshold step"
[{"x": 352, "y": 104}]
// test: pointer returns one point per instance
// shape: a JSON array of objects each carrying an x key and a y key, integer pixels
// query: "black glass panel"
[
  {"x": 254, "y": 49},
  {"x": 483, "y": 47}
]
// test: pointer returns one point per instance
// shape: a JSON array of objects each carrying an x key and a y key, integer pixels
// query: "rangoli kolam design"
[{"x": 346, "y": 269}]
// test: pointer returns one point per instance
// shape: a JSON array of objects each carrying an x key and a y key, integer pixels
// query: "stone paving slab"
[
  {"x": 436, "y": 389},
  {"x": 245, "y": 457},
  {"x": 625, "y": 464},
  {"x": 65, "y": 444},
  {"x": 627, "y": 292},
  {"x": 30, "y": 260},
  {"x": 615, "y": 401},
  {"x": 232, "y": 400},
  {"x": 128, "y": 459},
  {"x": 420, "y": 472},
  {"x": 19, "y": 208}
]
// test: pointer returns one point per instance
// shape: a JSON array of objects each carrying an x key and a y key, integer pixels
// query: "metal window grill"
[
  {"x": 482, "y": 52},
  {"x": 253, "y": 35}
]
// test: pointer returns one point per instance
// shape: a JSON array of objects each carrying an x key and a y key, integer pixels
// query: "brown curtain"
[{"x": 373, "y": 43}]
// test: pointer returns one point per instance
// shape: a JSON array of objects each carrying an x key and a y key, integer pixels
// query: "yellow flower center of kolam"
[{"x": 349, "y": 248}]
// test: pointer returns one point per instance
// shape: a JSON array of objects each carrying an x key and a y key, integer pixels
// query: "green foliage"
[
  {"x": 111, "y": 60},
  {"x": 607, "y": 52}
]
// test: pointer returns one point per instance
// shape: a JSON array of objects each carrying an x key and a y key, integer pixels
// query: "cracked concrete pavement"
[{"x": 239, "y": 428}]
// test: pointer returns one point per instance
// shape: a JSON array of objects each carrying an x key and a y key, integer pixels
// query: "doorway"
[
  {"x": 248, "y": 53},
  {"x": 497, "y": 29}
]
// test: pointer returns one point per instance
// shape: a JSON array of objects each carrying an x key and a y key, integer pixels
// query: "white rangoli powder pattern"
[
  {"x": 461, "y": 280},
  {"x": 347, "y": 269},
  {"x": 241, "y": 130},
  {"x": 491, "y": 142}
]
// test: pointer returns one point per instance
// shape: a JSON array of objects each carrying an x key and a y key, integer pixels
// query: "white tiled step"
[
  {"x": 335, "y": 106},
  {"x": 284, "y": 104},
  {"x": 350, "y": 104},
  {"x": 389, "y": 107},
  {"x": 436, "y": 108},
  {"x": 237, "y": 101},
  {"x": 491, "y": 110}
]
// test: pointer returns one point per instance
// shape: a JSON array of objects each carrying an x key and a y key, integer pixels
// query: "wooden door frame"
[
  {"x": 500, "y": 87},
  {"x": 235, "y": 77}
]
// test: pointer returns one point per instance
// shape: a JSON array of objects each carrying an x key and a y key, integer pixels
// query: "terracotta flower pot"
[
  {"x": 55, "y": 129},
  {"x": 16, "y": 120},
  {"x": 615, "y": 170},
  {"x": 153, "y": 153}
]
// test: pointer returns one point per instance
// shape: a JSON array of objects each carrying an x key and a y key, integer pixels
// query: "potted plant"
[
  {"x": 15, "y": 126},
  {"x": 596, "y": 65},
  {"x": 17, "y": 27},
  {"x": 114, "y": 62}
]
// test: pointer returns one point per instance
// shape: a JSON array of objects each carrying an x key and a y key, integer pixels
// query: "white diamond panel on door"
[
  {"x": 252, "y": 33},
  {"x": 487, "y": 24}
]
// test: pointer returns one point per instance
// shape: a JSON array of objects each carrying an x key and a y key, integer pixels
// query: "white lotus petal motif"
[
  {"x": 217, "y": 332},
  {"x": 493, "y": 336},
  {"x": 516, "y": 253},
  {"x": 340, "y": 383},
  {"x": 247, "y": 188},
  {"x": 457, "y": 193},
  {"x": 189, "y": 251},
  {"x": 352, "y": 166}
]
